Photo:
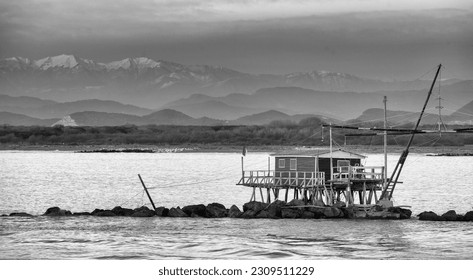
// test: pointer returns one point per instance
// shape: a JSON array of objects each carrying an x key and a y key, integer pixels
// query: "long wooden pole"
[
  {"x": 147, "y": 193},
  {"x": 402, "y": 159}
]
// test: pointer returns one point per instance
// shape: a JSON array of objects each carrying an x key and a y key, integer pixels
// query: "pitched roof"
[{"x": 324, "y": 153}]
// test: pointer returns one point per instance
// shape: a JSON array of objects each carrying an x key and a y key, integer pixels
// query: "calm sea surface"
[{"x": 34, "y": 181}]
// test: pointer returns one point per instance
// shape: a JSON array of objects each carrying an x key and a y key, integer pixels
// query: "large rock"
[
  {"x": 119, "y": 211},
  {"x": 291, "y": 213},
  {"x": 254, "y": 206},
  {"x": 105, "y": 213},
  {"x": 96, "y": 211},
  {"x": 430, "y": 216},
  {"x": 403, "y": 213},
  {"x": 234, "y": 212},
  {"x": 318, "y": 203},
  {"x": 216, "y": 210},
  {"x": 332, "y": 212},
  {"x": 468, "y": 216},
  {"x": 307, "y": 215},
  {"x": 296, "y": 202},
  {"x": 195, "y": 210},
  {"x": 249, "y": 214},
  {"x": 56, "y": 211},
  {"x": 162, "y": 211},
  {"x": 274, "y": 209},
  {"x": 81, "y": 214},
  {"x": 339, "y": 204},
  {"x": 177, "y": 213},
  {"x": 20, "y": 214},
  {"x": 263, "y": 214},
  {"x": 450, "y": 215},
  {"x": 349, "y": 212},
  {"x": 318, "y": 211},
  {"x": 143, "y": 211}
]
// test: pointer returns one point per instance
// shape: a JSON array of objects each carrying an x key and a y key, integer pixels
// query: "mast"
[
  {"x": 389, "y": 189},
  {"x": 331, "y": 155},
  {"x": 385, "y": 100}
]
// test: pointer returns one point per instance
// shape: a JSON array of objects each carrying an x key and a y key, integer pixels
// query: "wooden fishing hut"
[{"x": 316, "y": 176}]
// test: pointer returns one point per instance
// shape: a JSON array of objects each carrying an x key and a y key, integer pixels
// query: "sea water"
[{"x": 32, "y": 181}]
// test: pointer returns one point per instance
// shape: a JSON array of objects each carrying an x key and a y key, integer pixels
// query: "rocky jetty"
[{"x": 295, "y": 209}]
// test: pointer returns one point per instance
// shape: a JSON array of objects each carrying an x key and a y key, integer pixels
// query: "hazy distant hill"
[
  {"x": 213, "y": 109},
  {"x": 273, "y": 115},
  {"x": 40, "y": 108},
  {"x": 18, "y": 119},
  {"x": 143, "y": 81},
  {"x": 464, "y": 114}
]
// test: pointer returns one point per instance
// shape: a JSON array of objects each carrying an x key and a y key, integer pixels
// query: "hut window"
[
  {"x": 282, "y": 163},
  {"x": 343, "y": 165},
  {"x": 292, "y": 164}
]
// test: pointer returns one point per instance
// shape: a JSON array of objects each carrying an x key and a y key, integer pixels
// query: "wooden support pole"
[
  {"x": 147, "y": 193},
  {"x": 285, "y": 197},
  {"x": 268, "y": 191},
  {"x": 261, "y": 193}
]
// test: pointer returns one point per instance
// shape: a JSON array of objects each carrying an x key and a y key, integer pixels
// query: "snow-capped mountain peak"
[{"x": 61, "y": 61}]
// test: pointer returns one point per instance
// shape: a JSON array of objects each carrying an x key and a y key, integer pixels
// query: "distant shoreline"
[{"x": 230, "y": 148}]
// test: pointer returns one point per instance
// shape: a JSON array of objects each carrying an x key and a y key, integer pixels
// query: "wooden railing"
[
  {"x": 358, "y": 172},
  {"x": 271, "y": 178}
]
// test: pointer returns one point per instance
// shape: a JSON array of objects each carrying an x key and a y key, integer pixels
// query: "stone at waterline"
[
  {"x": 348, "y": 212},
  {"x": 119, "y": 211},
  {"x": 106, "y": 213},
  {"x": 318, "y": 211},
  {"x": 291, "y": 213},
  {"x": 450, "y": 215},
  {"x": 81, "y": 214},
  {"x": 263, "y": 214},
  {"x": 319, "y": 203},
  {"x": 430, "y": 216},
  {"x": 255, "y": 206},
  {"x": 162, "y": 211},
  {"x": 56, "y": 211},
  {"x": 403, "y": 213},
  {"x": 197, "y": 210},
  {"x": 307, "y": 215},
  {"x": 96, "y": 211},
  {"x": 249, "y": 214},
  {"x": 143, "y": 211},
  {"x": 333, "y": 212},
  {"x": 468, "y": 216},
  {"x": 177, "y": 213},
  {"x": 296, "y": 202},
  {"x": 216, "y": 210},
  {"x": 20, "y": 214},
  {"x": 234, "y": 212},
  {"x": 274, "y": 209}
]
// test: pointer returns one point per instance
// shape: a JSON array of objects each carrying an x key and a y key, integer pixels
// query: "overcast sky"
[{"x": 399, "y": 39}]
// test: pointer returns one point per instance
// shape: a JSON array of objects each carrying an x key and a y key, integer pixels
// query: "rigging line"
[{"x": 131, "y": 198}]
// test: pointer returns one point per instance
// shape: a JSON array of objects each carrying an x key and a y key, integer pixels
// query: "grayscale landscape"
[{"x": 237, "y": 130}]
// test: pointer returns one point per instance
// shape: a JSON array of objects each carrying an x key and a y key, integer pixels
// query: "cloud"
[{"x": 250, "y": 35}]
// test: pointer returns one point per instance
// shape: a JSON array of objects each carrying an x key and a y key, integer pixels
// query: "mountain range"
[
  {"x": 152, "y": 83},
  {"x": 95, "y": 93}
]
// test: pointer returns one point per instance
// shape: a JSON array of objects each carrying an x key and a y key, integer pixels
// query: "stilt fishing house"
[{"x": 316, "y": 176}]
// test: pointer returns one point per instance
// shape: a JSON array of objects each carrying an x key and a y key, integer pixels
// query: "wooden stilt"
[
  {"x": 261, "y": 193},
  {"x": 370, "y": 195},
  {"x": 268, "y": 191},
  {"x": 364, "y": 193},
  {"x": 285, "y": 197}
]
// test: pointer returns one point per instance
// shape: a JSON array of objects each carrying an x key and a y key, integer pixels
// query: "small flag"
[{"x": 244, "y": 151}]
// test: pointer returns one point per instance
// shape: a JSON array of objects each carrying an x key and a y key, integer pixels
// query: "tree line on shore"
[{"x": 308, "y": 132}]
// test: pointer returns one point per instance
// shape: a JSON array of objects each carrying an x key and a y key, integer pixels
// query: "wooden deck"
[
  {"x": 348, "y": 183},
  {"x": 282, "y": 179}
]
